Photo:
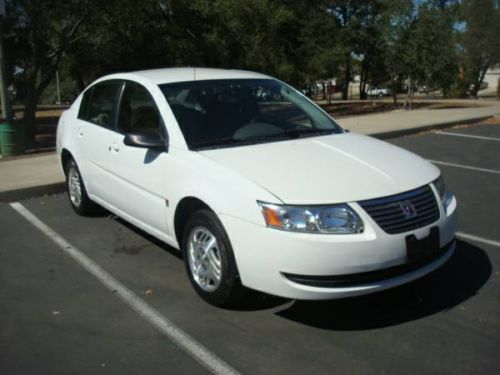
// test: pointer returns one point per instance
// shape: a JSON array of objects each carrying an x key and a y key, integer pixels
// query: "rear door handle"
[{"x": 80, "y": 132}]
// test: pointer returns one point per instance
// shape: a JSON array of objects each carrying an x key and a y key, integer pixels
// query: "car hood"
[{"x": 337, "y": 168}]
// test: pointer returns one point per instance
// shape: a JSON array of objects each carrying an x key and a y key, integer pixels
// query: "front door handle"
[{"x": 114, "y": 147}]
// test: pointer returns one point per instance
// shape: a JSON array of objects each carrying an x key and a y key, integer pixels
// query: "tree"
[
  {"x": 346, "y": 15},
  {"x": 367, "y": 47},
  {"x": 123, "y": 35},
  {"x": 41, "y": 32},
  {"x": 395, "y": 25},
  {"x": 481, "y": 42},
  {"x": 435, "y": 44}
]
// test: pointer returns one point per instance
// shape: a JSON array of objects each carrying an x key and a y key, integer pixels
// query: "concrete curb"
[
  {"x": 32, "y": 192},
  {"x": 56, "y": 188}
]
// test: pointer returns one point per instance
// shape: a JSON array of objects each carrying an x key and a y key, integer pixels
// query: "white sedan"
[{"x": 268, "y": 193}]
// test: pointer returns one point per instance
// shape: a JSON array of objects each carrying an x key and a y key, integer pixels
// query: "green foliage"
[
  {"x": 435, "y": 50},
  {"x": 300, "y": 41},
  {"x": 480, "y": 40},
  {"x": 67, "y": 87},
  {"x": 38, "y": 33}
]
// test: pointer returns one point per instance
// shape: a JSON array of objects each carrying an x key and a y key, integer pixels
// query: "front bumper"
[{"x": 275, "y": 261}]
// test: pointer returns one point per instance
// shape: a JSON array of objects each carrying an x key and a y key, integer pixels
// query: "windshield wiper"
[
  {"x": 298, "y": 132},
  {"x": 224, "y": 141},
  {"x": 286, "y": 134},
  {"x": 309, "y": 131}
]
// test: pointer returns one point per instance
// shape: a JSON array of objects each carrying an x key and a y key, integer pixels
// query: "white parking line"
[
  {"x": 468, "y": 136},
  {"x": 471, "y": 237},
  {"x": 465, "y": 166},
  {"x": 205, "y": 357}
]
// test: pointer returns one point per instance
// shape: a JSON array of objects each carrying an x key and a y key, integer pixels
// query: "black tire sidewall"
[{"x": 229, "y": 290}]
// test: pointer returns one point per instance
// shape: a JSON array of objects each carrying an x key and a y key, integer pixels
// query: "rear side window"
[{"x": 99, "y": 103}]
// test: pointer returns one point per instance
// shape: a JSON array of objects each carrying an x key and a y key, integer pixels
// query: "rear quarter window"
[{"x": 85, "y": 104}]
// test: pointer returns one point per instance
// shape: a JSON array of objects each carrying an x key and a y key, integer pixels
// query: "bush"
[
  {"x": 459, "y": 90},
  {"x": 498, "y": 88}
]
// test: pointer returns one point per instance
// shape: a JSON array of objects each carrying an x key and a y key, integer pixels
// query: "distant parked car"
[
  {"x": 270, "y": 194},
  {"x": 423, "y": 89},
  {"x": 379, "y": 91}
]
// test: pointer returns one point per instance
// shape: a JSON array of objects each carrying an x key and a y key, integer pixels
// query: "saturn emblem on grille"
[{"x": 408, "y": 209}]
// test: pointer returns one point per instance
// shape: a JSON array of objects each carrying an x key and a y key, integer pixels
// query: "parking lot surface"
[{"x": 56, "y": 317}]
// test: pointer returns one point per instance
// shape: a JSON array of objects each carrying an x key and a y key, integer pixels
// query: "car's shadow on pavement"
[
  {"x": 167, "y": 248},
  {"x": 458, "y": 280}
]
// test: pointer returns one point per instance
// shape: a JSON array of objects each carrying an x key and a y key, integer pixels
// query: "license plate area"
[{"x": 419, "y": 250}]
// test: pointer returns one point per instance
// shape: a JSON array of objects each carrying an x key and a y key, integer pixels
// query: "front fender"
[{"x": 225, "y": 191}]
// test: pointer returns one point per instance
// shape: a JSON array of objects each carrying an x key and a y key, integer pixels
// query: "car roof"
[{"x": 170, "y": 75}]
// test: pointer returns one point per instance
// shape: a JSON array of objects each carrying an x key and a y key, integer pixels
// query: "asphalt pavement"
[{"x": 56, "y": 317}]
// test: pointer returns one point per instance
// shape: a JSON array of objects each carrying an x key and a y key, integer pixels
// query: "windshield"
[{"x": 227, "y": 113}]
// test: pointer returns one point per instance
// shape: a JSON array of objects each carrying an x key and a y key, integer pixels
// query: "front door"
[{"x": 139, "y": 186}]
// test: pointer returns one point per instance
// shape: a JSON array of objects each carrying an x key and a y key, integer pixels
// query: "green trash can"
[{"x": 11, "y": 139}]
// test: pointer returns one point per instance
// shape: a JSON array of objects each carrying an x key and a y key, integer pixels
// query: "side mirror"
[{"x": 145, "y": 140}]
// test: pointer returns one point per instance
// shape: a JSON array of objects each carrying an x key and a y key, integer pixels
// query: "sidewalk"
[
  {"x": 31, "y": 176},
  {"x": 395, "y": 123}
]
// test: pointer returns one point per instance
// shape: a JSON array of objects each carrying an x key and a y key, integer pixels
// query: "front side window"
[
  {"x": 226, "y": 113},
  {"x": 138, "y": 111},
  {"x": 99, "y": 103}
]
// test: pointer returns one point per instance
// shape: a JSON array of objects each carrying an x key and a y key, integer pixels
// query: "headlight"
[
  {"x": 334, "y": 219},
  {"x": 445, "y": 195}
]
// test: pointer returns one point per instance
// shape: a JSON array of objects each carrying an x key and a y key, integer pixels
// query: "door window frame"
[
  {"x": 90, "y": 90},
  {"x": 163, "y": 132}
]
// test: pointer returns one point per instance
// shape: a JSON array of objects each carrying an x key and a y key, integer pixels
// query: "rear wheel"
[
  {"x": 209, "y": 260},
  {"x": 77, "y": 193}
]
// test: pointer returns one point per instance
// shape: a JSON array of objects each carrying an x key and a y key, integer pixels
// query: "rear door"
[
  {"x": 138, "y": 174},
  {"x": 95, "y": 134}
]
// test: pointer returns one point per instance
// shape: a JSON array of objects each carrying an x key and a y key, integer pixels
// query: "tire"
[
  {"x": 203, "y": 227},
  {"x": 77, "y": 194}
]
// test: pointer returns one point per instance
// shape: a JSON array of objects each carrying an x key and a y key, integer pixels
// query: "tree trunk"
[
  {"x": 78, "y": 78},
  {"x": 347, "y": 79},
  {"x": 362, "y": 87},
  {"x": 362, "y": 80},
  {"x": 479, "y": 82},
  {"x": 394, "y": 92},
  {"x": 409, "y": 94},
  {"x": 29, "y": 117}
]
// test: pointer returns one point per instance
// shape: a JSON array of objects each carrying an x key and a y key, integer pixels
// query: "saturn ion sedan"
[{"x": 255, "y": 184}]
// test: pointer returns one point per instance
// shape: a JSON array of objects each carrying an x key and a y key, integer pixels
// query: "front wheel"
[{"x": 209, "y": 260}]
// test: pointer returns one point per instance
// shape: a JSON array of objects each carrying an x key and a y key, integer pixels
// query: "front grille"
[{"x": 403, "y": 212}]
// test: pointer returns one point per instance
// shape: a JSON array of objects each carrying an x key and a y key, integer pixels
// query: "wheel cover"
[
  {"x": 204, "y": 258},
  {"x": 74, "y": 186}
]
